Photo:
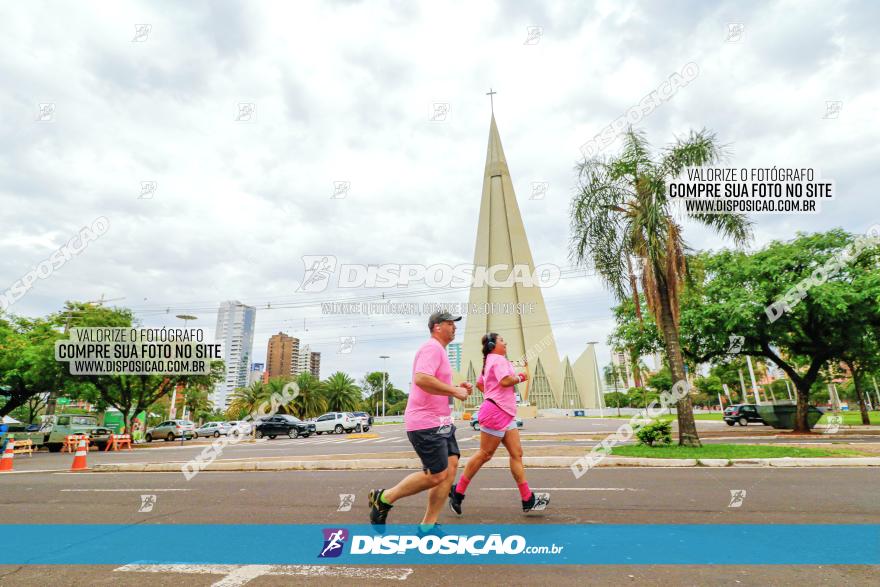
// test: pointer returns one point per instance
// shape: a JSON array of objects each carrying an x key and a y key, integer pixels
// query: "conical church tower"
[{"x": 502, "y": 241}]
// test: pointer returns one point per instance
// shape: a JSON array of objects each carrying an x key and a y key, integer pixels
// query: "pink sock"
[
  {"x": 462, "y": 484},
  {"x": 524, "y": 491}
]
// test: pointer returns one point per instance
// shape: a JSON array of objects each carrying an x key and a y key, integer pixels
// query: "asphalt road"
[
  {"x": 692, "y": 496},
  {"x": 392, "y": 438}
]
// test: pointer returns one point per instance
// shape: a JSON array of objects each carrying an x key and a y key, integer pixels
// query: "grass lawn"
[
  {"x": 853, "y": 418},
  {"x": 729, "y": 451}
]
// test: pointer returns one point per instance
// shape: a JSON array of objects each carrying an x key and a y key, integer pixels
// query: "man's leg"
[
  {"x": 438, "y": 495},
  {"x": 412, "y": 484}
]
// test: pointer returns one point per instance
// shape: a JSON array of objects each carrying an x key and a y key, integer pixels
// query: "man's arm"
[{"x": 434, "y": 386}]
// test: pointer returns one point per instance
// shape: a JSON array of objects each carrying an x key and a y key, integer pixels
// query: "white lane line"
[
  {"x": 117, "y": 490},
  {"x": 394, "y": 438},
  {"x": 236, "y": 575},
  {"x": 563, "y": 489},
  {"x": 242, "y": 575},
  {"x": 362, "y": 441}
]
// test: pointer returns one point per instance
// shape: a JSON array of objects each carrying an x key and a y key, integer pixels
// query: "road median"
[{"x": 552, "y": 462}]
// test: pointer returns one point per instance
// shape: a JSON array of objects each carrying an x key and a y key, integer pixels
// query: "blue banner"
[{"x": 517, "y": 544}]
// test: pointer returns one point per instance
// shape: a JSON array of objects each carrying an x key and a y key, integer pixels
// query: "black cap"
[{"x": 438, "y": 317}]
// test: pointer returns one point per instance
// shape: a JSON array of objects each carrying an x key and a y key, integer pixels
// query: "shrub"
[{"x": 659, "y": 432}]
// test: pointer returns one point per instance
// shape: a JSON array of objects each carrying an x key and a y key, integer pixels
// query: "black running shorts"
[{"x": 434, "y": 449}]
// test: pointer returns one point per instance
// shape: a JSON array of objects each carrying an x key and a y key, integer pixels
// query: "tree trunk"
[
  {"x": 857, "y": 383},
  {"x": 801, "y": 425},
  {"x": 635, "y": 291},
  {"x": 637, "y": 374},
  {"x": 687, "y": 427}
]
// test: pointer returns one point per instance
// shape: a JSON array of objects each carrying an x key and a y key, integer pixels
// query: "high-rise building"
[
  {"x": 309, "y": 362},
  {"x": 235, "y": 331},
  {"x": 453, "y": 351},
  {"x": 256, "y": 372},
  {"x": 623, "y": 366},
  {"x": 501, "y": 241},
  {"x": 282, "y": 355}
]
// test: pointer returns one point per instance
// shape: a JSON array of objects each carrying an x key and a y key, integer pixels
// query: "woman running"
[{"x": 497, "y": 418}]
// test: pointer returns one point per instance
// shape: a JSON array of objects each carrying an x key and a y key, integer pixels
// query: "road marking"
[
  {"x": 115, "y": 490},
  {"x": 563, "y": 489},
  {"x": 38, "y": 471},
  {"x": 395, "y": 438},
  {"x": 236, "y": 575}
]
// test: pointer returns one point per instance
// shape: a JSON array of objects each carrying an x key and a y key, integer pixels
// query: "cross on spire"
[{"x": 490, "y": 93}]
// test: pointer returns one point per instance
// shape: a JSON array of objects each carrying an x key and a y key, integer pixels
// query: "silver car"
[
  {"x": 215, "y": 429},
  {"x": 171, "y": 429}
]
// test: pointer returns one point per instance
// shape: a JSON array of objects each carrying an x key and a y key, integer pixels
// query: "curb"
[{"x": 497, "y": 463}]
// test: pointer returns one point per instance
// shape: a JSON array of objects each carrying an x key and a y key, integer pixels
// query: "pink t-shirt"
[
  {"x": 497, "y": 368},
  {"x": 423, "y": 409}
]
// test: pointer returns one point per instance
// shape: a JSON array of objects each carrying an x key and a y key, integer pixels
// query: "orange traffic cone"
[
  {"x": 6, "y": 459},
  {"x": 79, "y": 459}
]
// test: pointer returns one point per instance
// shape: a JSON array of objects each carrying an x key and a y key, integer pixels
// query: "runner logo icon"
[{"x": 334, "y": 540}]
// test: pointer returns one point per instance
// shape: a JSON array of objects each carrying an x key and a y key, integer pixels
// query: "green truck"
[{"x": 54, "y": 429}]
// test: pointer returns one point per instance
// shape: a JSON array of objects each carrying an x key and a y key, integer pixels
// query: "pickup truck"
[{"x": 55, "y": 428}]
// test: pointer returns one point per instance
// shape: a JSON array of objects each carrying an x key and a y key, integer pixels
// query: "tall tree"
[
  {"x": 622, "y": 210},
  {"x": 341, "y": 393},
  {"x": 246, "y": 400},
  {"x": 736, "y": 292},
  {"x": 311, "y": 401}
]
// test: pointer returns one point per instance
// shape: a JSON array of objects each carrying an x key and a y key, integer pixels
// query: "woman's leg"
[
  {"x": 488, "y": 445},
  {"x": 513, "y": 445}
]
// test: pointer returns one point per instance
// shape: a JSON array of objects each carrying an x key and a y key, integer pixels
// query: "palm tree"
[
  {"x": 310, "y": 402},
  {"x": 198, "y": 403},
  {"x": 342, "y": 394},
  {"x": 275, "y": 387},
  {"x": 246, "y": 400},
  {"x": 622, "y": 210}
]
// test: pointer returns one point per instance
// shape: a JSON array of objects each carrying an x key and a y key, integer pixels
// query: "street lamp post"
[{"x": 384, "y": 378}]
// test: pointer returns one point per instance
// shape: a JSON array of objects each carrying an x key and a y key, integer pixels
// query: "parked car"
[
  {"x": 56, "y": 427},
  {"x": 337, "y": 422},
  {"x": 171, "y": 429},
  {"x": 743, "y": 414},
  {"x": 215, "y": 429},
  {"x": 283, "y": 424},
  {"x": 475, "y": 424},
  {"x": 243, "y": 427},
  {"x": 365, "y": 414},
  {"x": 363, "y": 420}
]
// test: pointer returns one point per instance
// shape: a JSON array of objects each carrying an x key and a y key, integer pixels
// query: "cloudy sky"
[{"x": 95, "y": 107}]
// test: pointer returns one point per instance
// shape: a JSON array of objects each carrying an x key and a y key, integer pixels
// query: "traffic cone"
[
  {"x": 79, "y": 459},
  {"x": 6, "y": 459}
]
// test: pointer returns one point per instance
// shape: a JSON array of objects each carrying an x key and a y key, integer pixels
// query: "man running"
[{"x": 429, "y": 426}]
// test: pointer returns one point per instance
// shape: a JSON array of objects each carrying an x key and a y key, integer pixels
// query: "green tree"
[
  {"x": 28, "y": 369},
  {"x": 371, "y": 390},
  {"x": 737, "y": 290},
  {"x": 622, "y": 210},
  {"x": 341, "y": 393},
  {"x": 311, "y": 401},
  {"x": 246, "y": 400}
]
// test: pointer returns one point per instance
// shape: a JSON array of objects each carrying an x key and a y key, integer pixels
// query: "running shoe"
[
  {"x": 536, "y": 502},
  {"x": 455, "y": 499},
  {"x": 378, "y": 508},
  {"x": 431, "y": 530}
]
